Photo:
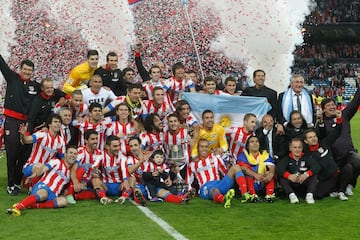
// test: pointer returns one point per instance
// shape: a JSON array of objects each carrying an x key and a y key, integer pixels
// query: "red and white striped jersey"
[
  {"x": 101, "y": 97},
  {"x": 151, "y": 167},
  {"x": 114, "y": 168},
  {"x": 219, "y": 92},
  {"x": 206, "y": 170},
  {"x": 151, "y": 141},
  {"x": 237, "y": 140},
  {"x": 126, "y": 130},
  {"x": 82, "y": 111},
  {"x": 131, "y": 161},
  {"x": 136, "y": 112},
  {"x": 99, "y": 127},
  {"x": 45, "y": 147},
  {"x": 89, "y": 161},
  {"x": 149, "y": 87},
  {"x": 189, "y": 121},
  {"x": 177, "y": 148},
  {"x": 164, "y": 110},
  {"x": 175, "y": 88},
  {"x": 57, "y": 176}
]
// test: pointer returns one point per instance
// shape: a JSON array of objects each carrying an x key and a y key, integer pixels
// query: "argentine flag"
[{"x": 229, "y": 110}]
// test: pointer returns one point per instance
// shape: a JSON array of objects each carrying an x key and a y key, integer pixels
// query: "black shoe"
[
  {"x": 17, "y": 190},
  {"x": 14, "y": 190},
  {"x": 10, "y": 190}
]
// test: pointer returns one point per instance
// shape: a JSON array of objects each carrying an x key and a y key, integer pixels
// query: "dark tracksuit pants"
[
  {"x": 308, "y": 186},
  {"x": 16, "y": 153}
]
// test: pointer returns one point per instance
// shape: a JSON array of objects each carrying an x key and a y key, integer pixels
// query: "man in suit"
[
  {"x": 297, "y": 98},
  {"x": 269, "y": 139}
]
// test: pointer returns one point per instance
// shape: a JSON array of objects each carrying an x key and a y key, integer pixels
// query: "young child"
[{"x": 158, "y": 180}]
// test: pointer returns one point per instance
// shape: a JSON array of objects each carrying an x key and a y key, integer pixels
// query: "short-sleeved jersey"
[
  {"x": 177, "y": 148},
  {"x": 151, "y": 141},
  {"x": 102, "y": 97},
  {"x": 136, "y": 111},
  {"x": 57, "y": 176},
  {"x": 206, "y": 169},
  {"x": 45, "y": 147},
  {"x": 131, "y": 161},
  {"x": 99, "y": 127},
  {"x": 79, "y": 75},
  {"x": 175, "y": 88},
  {"x": 164, "y": 110},
  {"x": 149, "y": 87},
  {"x": 89, "y": 161},
  {"x": 82, "y": 111},
  {"x": 216, "y": 137},
  {"x": 126, "y": 130},
  {"x": 114, "y": 168},
  {"x": 238, "y": 139}
]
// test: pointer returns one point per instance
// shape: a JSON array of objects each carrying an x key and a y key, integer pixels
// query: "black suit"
[
  {"x": 278, "y": 143},
  {"x": 280, "y": 118},
  {"x": 264, "y": 91}
]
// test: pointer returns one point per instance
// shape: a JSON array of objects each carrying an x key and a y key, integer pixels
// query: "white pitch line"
[{"x": 164, "y": 225}]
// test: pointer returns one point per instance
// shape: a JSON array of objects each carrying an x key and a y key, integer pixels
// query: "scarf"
[
  {"x": 42, "y": 94},
  {"x": 314, "y": 148},
  {"x": 287, "y": 105},
  {"x": 259, "y": 160},
  {"x": 292, "y": 156},
  {"x": 132, "y": 105}
]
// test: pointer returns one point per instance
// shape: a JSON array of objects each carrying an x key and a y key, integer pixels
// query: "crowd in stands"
[
  {"x": 174, "y": 41},
  {"x": 334, "y": 12}
]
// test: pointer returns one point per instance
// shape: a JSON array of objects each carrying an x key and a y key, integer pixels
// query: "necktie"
[
  {"x": 298, "y": 102},
  {"x": 66, "y": 134}
]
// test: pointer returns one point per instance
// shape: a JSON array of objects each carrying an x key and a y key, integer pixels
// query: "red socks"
[
  {"x": 173, "y": 198},
  {"x": 86, "y": 194},
  {"x": 218, "y": 197},
  {"x": 47, "y": 204},
  {"x": 27, "y": 202}
]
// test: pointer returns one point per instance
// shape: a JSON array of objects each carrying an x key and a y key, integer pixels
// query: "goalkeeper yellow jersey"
[
  {"x": 216, "y": 137},
  {"x": 79, "y": 76}
]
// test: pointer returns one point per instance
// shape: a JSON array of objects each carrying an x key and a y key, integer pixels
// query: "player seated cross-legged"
[{"x": 207, "y": 169}]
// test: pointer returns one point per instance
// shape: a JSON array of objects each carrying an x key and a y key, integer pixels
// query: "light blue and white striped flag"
[{"x": 229, "y": 110}]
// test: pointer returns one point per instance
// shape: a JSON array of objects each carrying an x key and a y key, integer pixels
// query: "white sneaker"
[
  {"x": 349, "y": 190},
  {"x": 309, "y": 199},
  {"x": 293, "y": 198},
  {"x": 105, "y": 200},
  {"x": 334, "y": 194},
  {"x": 342, "y": 196}
]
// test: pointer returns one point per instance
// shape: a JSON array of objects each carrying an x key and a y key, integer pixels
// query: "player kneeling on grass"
[
  {"x": 259, "y": 170},
  {"x": 207, "y": 169},
  {"x": 158, "y": 180},
  {"x": 45, "y": 193}
]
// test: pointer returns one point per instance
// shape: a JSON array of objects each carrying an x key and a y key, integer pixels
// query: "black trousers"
[
  {"x": 325, "y": 187},
  {"x": 16, "y": 153},
  {"x": 353, "y": 159},
  {"x": 308, "y": 186}
]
